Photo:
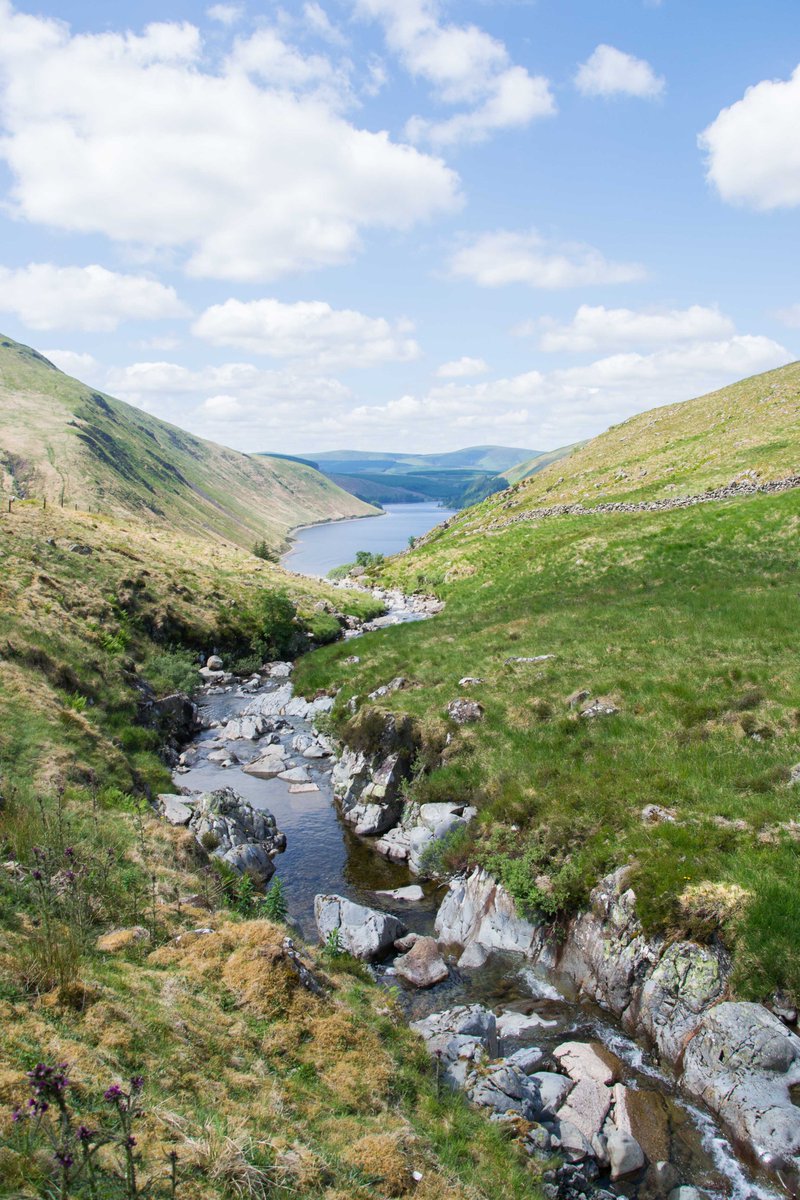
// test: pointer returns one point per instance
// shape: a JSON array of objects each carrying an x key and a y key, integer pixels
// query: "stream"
[{"x": 324, "y": 856}]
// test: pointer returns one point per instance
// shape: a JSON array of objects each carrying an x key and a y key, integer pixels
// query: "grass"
[{"x": 686, "y": 621}]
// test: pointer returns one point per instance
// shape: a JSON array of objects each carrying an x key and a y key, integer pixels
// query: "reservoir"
[{"x": 319, "y": 548}]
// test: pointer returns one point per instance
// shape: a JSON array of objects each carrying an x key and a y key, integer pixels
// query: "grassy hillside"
[
  {"x": 124, "y": 955},
  {"x": 681, "y": 449},
  {"x": 684, "y": 621},
  {"x": 60, "y": 440},
  {"x": 492, "y": 459},
  {"x": 532, "y": 466}
]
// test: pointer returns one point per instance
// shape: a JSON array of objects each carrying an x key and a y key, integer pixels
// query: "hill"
[
  {"x": 64, "y": 442},
  {"x": 532, "y": 466},
  {"x": 678, "y": 622},
  {"x": 681, "y": 449},
  {"x": 456, "y": 478}
]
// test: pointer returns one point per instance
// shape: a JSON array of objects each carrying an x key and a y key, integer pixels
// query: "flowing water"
[{"x": 323, "y": 855}]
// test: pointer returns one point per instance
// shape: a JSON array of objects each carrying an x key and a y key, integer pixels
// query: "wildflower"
[
  {"x": 130, "y": 1141},
  {"x": 37, "y": 875},
  {"x": 113, "y": 1093},
  {"x": 64, "y": 1159},
  {"x": 69, "y": 852},
  {"x": 84, "y": 1134},
  {"x": 17, "y": 1115},
  {"x": 137, "y": 1083}
]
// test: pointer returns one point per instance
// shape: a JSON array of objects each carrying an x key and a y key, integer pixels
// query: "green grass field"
[{"x": 687, "y": 621}]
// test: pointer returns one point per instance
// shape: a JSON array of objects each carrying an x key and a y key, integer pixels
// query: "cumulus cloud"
[
  {"x": 611, "y": 72},
  {"x": 139, "y": 138},
  {"x": 596, "y": 328},
  {"x": 494, "y": 259},
  {"x": 93, "y": 299},
  {"x": 461, "y": 368},
  {"x": 752, "y": 148},
  {"x": 268, "y": 57},
  {"x": 82, "y": 366},
  {"x": 548, "y": 409},
  {"x": 465, "y": 67},
  {"x": 310, "y": 332}
]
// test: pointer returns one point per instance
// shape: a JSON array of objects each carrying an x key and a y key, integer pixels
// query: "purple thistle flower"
[
  {"x": 84, "y": 1134},
  {"x": 37, "y": 875},
  {"x": 64, "y": 1159},
  {"x": 17, "y": 1115},
  {"x": 69, "y": 852},
  {"x": 113, "y": 1093},
  {"x": 130, "y": 1141},
  {"x": 137, "y": 1083}
]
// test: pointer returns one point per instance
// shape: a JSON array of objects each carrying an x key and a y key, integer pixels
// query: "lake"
[{"x": 317, "y": 549}]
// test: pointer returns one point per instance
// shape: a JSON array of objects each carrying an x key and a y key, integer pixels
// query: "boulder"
[
  {"x": 625, "y": 1155},
  {"x": 246, "y": 838},
  {"x": 588, "y": 1060},
  {"x": 473, "y": 957},
  {"x": 395, "y": 844},
  {"x": 685, "y": 1193},
  {"x": 464, "y": 712},
  {"x": 685, "y": 982},
  {"x": 552, "y": 1090},
  {"x": 505, "y": 1089},
  {"x": 295, "y": 775},
  {"x": 587, "y": 1107},
  {"x": 214, "y": 663},
  {"x": 573, "y": 1144},
  {"x": 743, "y": 1062},
  {"x": 363, "y": 932},
  {"x": 478, "y": 910},
  {"x": 602, "y": 706},
  {"x": 174, "y": 809},
  {"x": 459, "y": 1038},
  {"x": 411, "y": 893},
  {"x": 122, "y": 939},
  {"x": 423, "y": 965},
  {"x": 268, "y": 766}
]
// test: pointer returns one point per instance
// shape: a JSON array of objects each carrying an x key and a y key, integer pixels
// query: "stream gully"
[{"x": 323, "y": 855}]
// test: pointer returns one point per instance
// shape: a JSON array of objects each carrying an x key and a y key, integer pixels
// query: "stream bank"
[{"x": 541, "y": 1007}]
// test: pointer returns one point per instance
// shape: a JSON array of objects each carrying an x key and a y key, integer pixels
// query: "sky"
[{"x": 401, "y": 224}]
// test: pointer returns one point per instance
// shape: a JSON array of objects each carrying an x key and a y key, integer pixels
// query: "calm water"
[{"x": 319, "y": 548}]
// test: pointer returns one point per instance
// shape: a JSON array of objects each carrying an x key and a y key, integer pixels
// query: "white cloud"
[
  {"x": 596, "y": 328},
  {"x": 494, "y": 259},
  {"x": 465, "y": 66},
  {"x": 611, "y": 72},
  {"x": 268, "y": 57},
  {"x": 226, "y": 14},
  {"x": 460, "y": 368},
  {"x": 753, "y": 148},
  {"x": 93, "y": 299},
  {"x": 138, "y": 138},
  {"x": 545, "y": 410},
  {"x": 319, "y": 23},
  {"x": 310, "y": 332},
  {"x": 82, "y": 366}
]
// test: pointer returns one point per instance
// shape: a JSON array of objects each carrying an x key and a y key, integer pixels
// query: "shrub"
[
  {"x": 274, "y": 903},
  {"x": 262, "y": 550},
  {"x": 173, "y": 671}
]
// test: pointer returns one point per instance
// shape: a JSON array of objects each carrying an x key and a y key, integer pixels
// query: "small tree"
[{"x": 275, "y": 906}]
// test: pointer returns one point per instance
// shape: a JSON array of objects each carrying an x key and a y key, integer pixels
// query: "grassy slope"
[
  {"x": 532, "y": 466},
  {"x": 687, "y": 620},
  {"x": 60, "y": 438},
  {"x": 479, "y": 458},
  {"x": 681, "y": 449},
  {"x": 258, "y": 1086}
]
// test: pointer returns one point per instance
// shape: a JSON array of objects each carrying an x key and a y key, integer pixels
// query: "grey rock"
[
  {"x": 395, "y": 845},
  {"x": 552, "y": 1090},
  {"x": 363, "y": 932},
  {"x": 459, "y": 1038},
  {"x": 686, "y": 981},
  {"x": 625, "y": 1155},
  {"x": 175, "y": 809},
  {"x": 295, "y": 775},
  {"x": 214, "y": 662},
  {"x": 423, "y": 965},
  {"x": 588, "y": 1060},
  {"x": 478, "y": 910},
  {"x": 247, "y": 838},
  {"x": 527, "y": 1059},
  {"x": 685, "y": 1193},
  {"x": 516, "y": 1024},
  {"x": 504, "y": 1088},
  {"x": 600, "y": 707},
  {"x": 411, "y": 893},
  {"x": 473, "y": 957},
  {"x": 587, "y": 1107},
  {"x": 657, "y": 814},
  {"x": 464, "y": 712},
  {"x": 742, "y": 1062},
  {"x": 536, "y": 658},
  {"x": 572, "y": 1143}
]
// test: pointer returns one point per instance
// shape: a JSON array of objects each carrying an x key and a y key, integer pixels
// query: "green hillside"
[
  {"x": 681, "y": 449},
  {"x": 62, "y": 441},
  {"x": 680, "y": 622},
  {"x": 532, "y": 466},
  {"x": 491, "y": 459}
]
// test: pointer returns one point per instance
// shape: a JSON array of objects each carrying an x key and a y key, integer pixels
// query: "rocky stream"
[{"x": 618, "y": 1059}]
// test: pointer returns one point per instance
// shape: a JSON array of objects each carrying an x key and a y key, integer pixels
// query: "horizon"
[{"x": 370, "y": 222}]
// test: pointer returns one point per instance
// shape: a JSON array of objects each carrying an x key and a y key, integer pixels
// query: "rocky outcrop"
[
  {"x": 459, "y": 1039},
  {"x": 363, "y": 932},
  {"x": 740, "y": 1059},
  {"x": 229, "y": 828},
  {"x": 743, "y": 1062}
]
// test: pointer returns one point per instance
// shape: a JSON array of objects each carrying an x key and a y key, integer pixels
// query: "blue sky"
[{"x": 401, "y": 223}]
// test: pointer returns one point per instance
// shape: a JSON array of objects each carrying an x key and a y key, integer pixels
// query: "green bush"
[{"x": 172, "y": 671}]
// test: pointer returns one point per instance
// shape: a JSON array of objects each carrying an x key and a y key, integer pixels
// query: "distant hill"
[
  {"x": 62, "y": 441},
  {"x": 455, "y": 478}
]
